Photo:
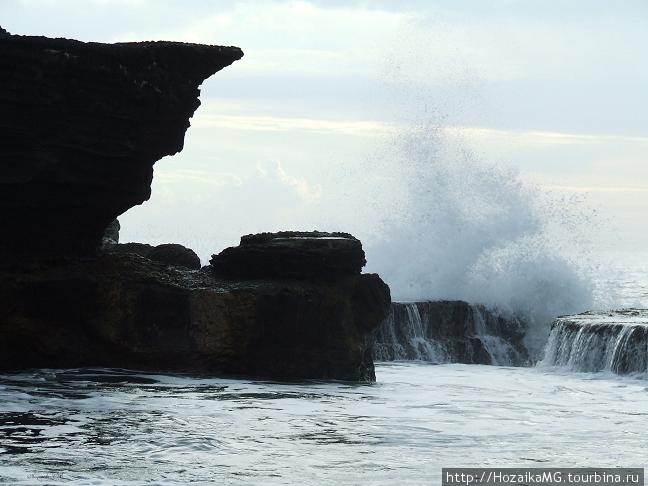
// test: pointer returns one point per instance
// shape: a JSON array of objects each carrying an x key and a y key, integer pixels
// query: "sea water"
[
  {"x": 118, "y": 427},
  {"x": 110, "y": 427}
]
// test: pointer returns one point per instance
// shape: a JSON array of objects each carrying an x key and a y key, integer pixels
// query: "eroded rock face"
[
  {"x": 291, "y": 254},
  {"x": 82, "y": 125},
  {"x": 123, "y": 310}
]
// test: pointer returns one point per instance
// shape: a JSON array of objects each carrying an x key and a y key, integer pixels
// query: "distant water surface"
[{"x": 622, "y": 279}]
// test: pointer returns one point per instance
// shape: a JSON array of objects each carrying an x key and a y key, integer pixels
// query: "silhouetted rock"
[
  {"x": 175, "y": 254},
  {"x": 3, "y": 31},
  {"x": 141, "y": 249},
  {"x": 82, "y": 125},
  {"x": 291, "y": 254},
  {"x": 126, "y": 311},
  {"x": 167, "y": 253}
]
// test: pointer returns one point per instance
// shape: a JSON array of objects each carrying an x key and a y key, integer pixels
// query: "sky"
[{"x": 301, "y": 132}]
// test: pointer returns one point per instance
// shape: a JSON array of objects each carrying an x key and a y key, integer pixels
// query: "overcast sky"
[{"x": 289, "y": 135}]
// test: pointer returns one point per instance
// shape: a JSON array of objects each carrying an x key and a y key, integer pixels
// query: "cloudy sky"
[{"x": 302, "y": 131}]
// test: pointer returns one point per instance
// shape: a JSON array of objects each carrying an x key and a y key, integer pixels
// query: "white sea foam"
[{"x": 455, "y": 227}]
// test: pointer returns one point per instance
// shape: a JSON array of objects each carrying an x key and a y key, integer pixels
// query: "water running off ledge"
[
  {"x": 615, "y": 341},
  {"x": 450, "y": 332}
]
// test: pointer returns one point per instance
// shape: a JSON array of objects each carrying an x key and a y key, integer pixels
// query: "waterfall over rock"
[
  {"x": 449, "y": 332},
  {"x": 612, "y": 341}
]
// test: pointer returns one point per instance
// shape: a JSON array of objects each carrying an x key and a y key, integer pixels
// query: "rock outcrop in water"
[
  {"x": 614, "y": 341},
  {"x": 82, "y": 125},
  {"x": 123, "y": 310},
  {"x": 292, "y": 254},
  {"x": 450, "y": 332}
]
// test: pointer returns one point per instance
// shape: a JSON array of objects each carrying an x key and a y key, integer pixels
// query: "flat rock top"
[
  {"x": 627, "y": 317},
  {"x": 133, "y": 60},
  {"x": 81, "y": 46},
  {"x": 292, "y": 254},
  {"x": 295, "y": 238}
]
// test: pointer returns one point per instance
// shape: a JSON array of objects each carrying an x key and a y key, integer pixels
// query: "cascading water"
[
  {"x": 403, "y": 336},
  {"x": 616, "y": 342},
  {"x": 449, "y": 332}
]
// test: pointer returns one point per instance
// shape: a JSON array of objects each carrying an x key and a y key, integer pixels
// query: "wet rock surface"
[
  {"x": 613, "y": 341},
  {"x": 447, "y": 331}
]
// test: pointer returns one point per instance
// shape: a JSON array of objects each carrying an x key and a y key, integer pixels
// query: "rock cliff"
[{"x": 82, "y": 126}]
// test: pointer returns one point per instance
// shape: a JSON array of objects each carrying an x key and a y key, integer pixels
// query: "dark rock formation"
[
  {"x": 167, "y": 253},
  {"x": 450, "y": 332},
  {"x": 614, "y": 341},
  {"x": 175, "y": 254},
  {"x": 82, "y": 125},
  {"x": 141, "y": 249},
  {"x": 122, "y": 310},
  {"x": 304, "y": 255}
]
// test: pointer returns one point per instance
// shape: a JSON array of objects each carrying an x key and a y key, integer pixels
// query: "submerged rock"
[
  {"x": 291, "y": 254},
  {"x": 82, "y": 125},
  {"x": 450, "y": 332},
  {"x": 126, "y": 311},
  {"x": 615, "y": 341}
]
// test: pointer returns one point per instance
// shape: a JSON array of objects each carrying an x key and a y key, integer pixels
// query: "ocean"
[{"x": 118, "y": 427}]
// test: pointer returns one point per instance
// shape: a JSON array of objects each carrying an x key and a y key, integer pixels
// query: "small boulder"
[
  {"x": 291, "y": 254},
  {"x": 175, "y": 254},
  {"x": 167, "y": 254}
]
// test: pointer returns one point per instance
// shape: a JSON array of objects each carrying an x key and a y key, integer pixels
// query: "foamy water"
[
  {"x": 110, "y": 427},
  {"x": 96, "y": 427}
]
